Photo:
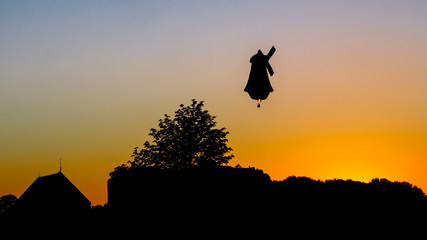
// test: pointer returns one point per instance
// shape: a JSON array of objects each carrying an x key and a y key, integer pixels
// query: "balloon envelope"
[{"x": 258, "y": 85}]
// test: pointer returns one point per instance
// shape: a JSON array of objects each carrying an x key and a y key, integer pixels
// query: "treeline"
[{"x": 376, "y": 189}]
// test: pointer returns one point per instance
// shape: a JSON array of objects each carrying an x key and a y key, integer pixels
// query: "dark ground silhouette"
[
  {"x": 212, "y": 198},
  {"x": 215, "y": 197},
  {"x": 229, "y": 188}
]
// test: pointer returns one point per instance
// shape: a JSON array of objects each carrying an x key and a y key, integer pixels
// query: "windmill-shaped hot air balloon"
[{"x": 258, "y": 85}]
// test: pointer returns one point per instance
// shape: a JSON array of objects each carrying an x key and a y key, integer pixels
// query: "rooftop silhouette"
[{"x": 52, "y": 195}]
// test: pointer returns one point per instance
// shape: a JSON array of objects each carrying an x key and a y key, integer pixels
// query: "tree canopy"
[
  {"x": 188, "y": 139},
  {"x": 7, "y": 202}
]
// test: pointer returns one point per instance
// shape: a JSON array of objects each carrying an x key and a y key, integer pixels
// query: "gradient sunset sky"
[{"x": 85, "y": 81}]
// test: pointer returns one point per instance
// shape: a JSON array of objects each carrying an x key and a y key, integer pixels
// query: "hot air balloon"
[{"x": 258, "y": 85}]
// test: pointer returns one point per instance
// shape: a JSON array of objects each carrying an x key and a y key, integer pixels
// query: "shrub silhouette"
[
  {"x": 7, "y": 202},
  {"x": 397, "y": 190},
  {"x": 189, "y": 139}
]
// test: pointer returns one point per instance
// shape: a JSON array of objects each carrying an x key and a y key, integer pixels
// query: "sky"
[{"x": 84, "y": 81}]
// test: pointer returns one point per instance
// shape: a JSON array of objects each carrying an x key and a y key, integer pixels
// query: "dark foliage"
[
  {"x": 7, "y": 202},
  {"x": 189, "y": 139},
  {"x": 350, "y": 190},
  {"x": 396, "y": 190}
]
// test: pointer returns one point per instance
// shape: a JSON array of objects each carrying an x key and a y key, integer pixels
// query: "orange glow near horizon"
[{"x": 359, "y": 157}]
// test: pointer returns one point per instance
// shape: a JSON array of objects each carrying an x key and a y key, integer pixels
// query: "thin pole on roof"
[{"x": 60, "y": 164}]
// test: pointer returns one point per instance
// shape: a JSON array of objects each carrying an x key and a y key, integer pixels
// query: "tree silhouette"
[
  {"x": 7, "y": 202},
  {"x": 397, "y": 190},
  {"x": 189, "y": 139}
]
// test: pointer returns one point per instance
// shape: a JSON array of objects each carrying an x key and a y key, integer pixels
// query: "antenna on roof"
[{"x": 60, "y": 164}]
